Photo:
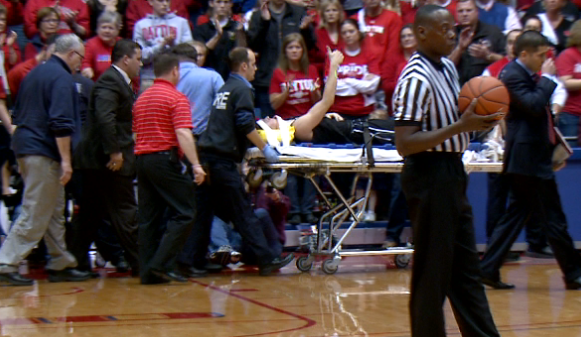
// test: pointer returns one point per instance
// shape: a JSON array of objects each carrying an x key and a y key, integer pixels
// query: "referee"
[{"x": 431, "y": 135}]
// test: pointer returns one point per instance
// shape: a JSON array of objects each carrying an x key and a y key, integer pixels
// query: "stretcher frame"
[{"x": 326, "y": 247}]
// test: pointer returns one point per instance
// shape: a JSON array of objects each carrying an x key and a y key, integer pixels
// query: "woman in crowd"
[
  {"x": 329, "y": 31},
  {"x": 98, "y": 7},
  {"x": 47, "y": 23},
  {"x": 358, "y": 76},
  {"x": 98, "y": 49},
  {"x": 392, "y": 69},
  {"x": 8, "y": 43},
  {"x": 570, "y": 74},
  {"x": 554, "y": 24},
  {"x": 294, "y": 89}
]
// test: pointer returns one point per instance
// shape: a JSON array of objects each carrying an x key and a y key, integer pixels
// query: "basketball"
[{"x": 491, "y": 94}]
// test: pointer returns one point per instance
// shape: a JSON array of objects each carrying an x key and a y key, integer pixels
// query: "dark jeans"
[
  {"x": 568, "y": 124},
  {"x": 532, "y": 199},
  {"x": 302, "y": 195},
  {"x": 398, "y": 211},
  {"x": 445, "y": 257},
  {"x": 271, "y": 235},
  {"x": 162, "y": 187},
  {"x": 224, "y": 193},
  {"x": 262, "y": 102}
]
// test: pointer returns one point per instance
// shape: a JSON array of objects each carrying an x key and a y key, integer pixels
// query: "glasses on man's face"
[
  {"x": 80, "y": 55},
  {"x": 50, "y": 20}
]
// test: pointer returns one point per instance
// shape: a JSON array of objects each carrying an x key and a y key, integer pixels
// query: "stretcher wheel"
[
  {"x": 402, "y": 261},
  {"x": 330, "y": 266},
  {"x": 278, "y": 179},
  {"x": 254, "y": 178},
  {"x": 304, "y": 264}
]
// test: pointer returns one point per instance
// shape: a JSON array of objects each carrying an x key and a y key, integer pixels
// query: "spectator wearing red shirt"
[
  {"x": 47, "y": 23},
  {"x": 381, "y": 28},
  {"x": 74, "y": 15},
  {"x": 358, "y": 77},
  {"x": 162, "y": 121},
  {"x": 138, "y": 9},
  {"x": 569, "y": 70},
  {"x": 328, "y": 32},
  {"x": 14, "y": 9},
  {"x": 392, "y": 69},
  {"x": 98, "y": 49},
  {"x": 19, "y": 72},
  {"x": 8, "y": 43}
]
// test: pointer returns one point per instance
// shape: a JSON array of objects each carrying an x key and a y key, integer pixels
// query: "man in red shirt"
[{"x": 162, "y": 121}]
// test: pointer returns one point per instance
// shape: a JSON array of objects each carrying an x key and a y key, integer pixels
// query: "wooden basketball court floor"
[{"x": 367, "y": 297}]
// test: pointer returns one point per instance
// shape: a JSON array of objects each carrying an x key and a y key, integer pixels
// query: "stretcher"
[{"x": 311, "y": 162}]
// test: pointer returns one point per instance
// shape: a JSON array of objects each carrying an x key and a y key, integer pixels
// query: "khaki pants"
[{"x": 42, "y": 216}]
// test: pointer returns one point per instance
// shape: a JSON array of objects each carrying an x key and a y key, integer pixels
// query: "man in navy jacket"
[{"x": 48, "y": 126}]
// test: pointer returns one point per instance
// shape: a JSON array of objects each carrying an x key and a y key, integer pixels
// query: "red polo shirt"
[{"x": 157, "y": 114}]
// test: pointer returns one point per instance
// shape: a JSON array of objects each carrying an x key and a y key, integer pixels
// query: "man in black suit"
[
  {"x": 530, "y": 140},
  {"x": 105, "y": 156}
]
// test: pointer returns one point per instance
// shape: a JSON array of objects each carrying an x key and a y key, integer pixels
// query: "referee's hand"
[{"x": 470, "y": 121}]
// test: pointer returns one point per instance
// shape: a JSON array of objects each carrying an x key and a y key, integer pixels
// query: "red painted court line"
[{"x": 308, "y": 322}]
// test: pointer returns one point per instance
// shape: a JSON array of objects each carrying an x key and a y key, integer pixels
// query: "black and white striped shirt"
[{"x": 427, "y": 94}]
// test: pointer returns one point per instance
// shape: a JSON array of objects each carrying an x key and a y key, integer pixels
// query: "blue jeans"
[
  {"x": 568, "y": 124},
  {"x": 223, "y": 235},
  {"x": 262, "y": 102}
]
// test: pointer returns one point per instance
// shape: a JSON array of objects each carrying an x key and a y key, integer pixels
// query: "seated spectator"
[
  {"x": 569, "y": 70},
  {"x": 139, "y": 9},
  {"x": 17, "y": 74},
  {"x": 498, "y": 14},
  {"x": 8, "y": 42},
  {"x": 392, "y": 69},
  {"x": 97, "y": 7},
  {"x": 98, "y": 49},
  {"x": 221, "y": 34},
  {"x": 555, "y": 25},
  {"x": 47, "y": 23},
  {"x": 157, "y": 32},
  {"x": 328, "y": 32},
  {"x": 358, "y": 75},
  {"x": 74, "y": 15}
]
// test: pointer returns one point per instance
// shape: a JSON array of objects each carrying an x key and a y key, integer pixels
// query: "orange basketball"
[{"x": 491, "y": 94}]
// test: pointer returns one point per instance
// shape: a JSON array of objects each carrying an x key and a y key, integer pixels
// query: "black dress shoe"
[
  {"x": 122, "y": 266},
  {"x": 497, "y": 284},
  {"x": 15, "y": 279},
  {"x": 68, "y": 275},
  {"x": 193, "y": 272},
  {"x": 276, "y": 264},
  {"x": 170, "y": 276},
  {"x": 573, "y": 285},
  {"x": 545, "y": 253}
]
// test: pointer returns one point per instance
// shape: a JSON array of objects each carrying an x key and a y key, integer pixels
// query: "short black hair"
[
  {"x": 238, "y": 56},
  {"x": 530, "y": 41},
  {"x": 124, "y": 47},
  {"x": 185, "y": 51},
  {"x": 424, "y": 15},
  {"x": 164, "y": 63}
]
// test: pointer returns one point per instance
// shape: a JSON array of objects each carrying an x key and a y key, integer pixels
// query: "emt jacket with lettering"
[{"x": 231, "y": 119}]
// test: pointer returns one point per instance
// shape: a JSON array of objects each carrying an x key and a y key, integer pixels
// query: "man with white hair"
[{"x": 48, "y": 126}]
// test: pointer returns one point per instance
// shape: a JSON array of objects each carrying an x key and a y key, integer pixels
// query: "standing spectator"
[
  {"x": 329, "y": 31},
  {"x": 99, "y": 48},
  {"x": 198, "y": 84},
  {"x": 268, "y": 26},
  {"x": 498, "y": 14},
  {"x": 48, "y": 121},
  {"x": 163, "y": 124},
  {"x": 408, "y": 10},
  {"x": 139, "y": 9},
  {"x": 381, "y": 28},
  {"x": 358, "y": 75},
  {"x": 294, "y": 89},
  {"x": 569, "y": 70},
  {"x": 157, "y": 32},
  {"x": 479, "y": 44},
  {"x": 14, "y": 10},
  {"x": 569, "y": 10},
  {"x": 106, "y": 159},
  {"x": 221, "y": 34},
  {"x": 555, "y": 25},
  {"x": 98, "y": 7},
  {"x": 11, "y": 52},
  {"x": 47, "y": 23},
  {"x": 74, "y": 15}
]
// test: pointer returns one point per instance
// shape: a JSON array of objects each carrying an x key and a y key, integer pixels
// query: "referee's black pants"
[
  {"x": 446, "y": 263},
  {"x": 162, "y": 185},
  {"x": 223, "y": 193},
  {"x": 532, "y": 199}
]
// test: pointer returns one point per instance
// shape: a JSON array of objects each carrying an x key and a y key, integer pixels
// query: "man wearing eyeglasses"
[{"x": 48, "y": 126}]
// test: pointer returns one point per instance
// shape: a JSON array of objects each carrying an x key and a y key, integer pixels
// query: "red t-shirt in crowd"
[
  {"x": 354, "y": 67},
  {"x": 18, "y": 73},
  {"x": 64, "y": 6},
  {"x": 495, "y": 68},
  {"x": 299, "y": 101},
  {"x": 390, "y": 73},
  {"x": 97, "y": 56},
  {"x": 569, "y": 64},
  {"x": 157, "y": 114},
  {"x": 319, "y": 54},
  {"x": 204, "y": 18},
  {"x": 381, "y": 33}
]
